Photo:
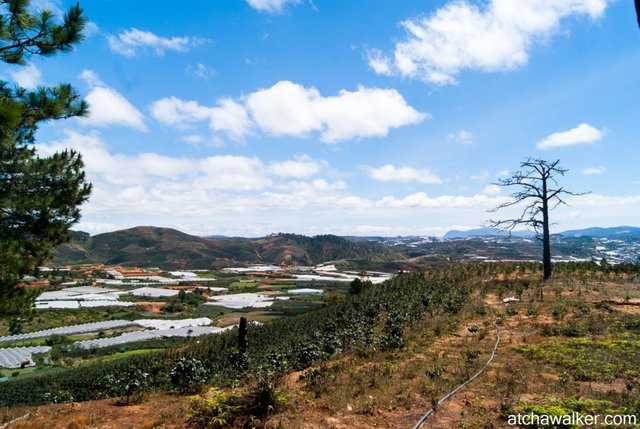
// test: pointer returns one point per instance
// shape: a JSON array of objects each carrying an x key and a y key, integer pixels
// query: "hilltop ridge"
[{"x": 147, "y": 246}]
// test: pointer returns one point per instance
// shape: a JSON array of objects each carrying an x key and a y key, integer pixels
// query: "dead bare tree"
[{"x": 539, "y": 192}]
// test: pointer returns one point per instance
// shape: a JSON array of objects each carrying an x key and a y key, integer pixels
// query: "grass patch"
[
  {"x": 206, "y": 276},
  {"x": 567, "y": 406},
  {"x": 589, "y": 359},
  {"x": 115, "y": 356}
]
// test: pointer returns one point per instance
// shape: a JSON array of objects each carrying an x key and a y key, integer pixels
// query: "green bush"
[
  {"x": 266, "y": 399},
  {"x": 216, "y": 410},
  {"x": 188, "y": 375},
  {"x": 129, "y": 385}
]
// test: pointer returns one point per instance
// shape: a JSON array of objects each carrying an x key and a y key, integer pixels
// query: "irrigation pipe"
[{"x": 454, "y": 391}]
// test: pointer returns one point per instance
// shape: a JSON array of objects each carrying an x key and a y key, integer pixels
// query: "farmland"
[
  {"x": 377, "y": 358},
  {"x": 109, "y": 310}
]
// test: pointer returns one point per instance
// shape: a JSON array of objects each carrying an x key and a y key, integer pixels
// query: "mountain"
[
  {"x": 486, "y": 232},
  {"x": 613, "y": 232},
  {"x": 148, "y": 246}
]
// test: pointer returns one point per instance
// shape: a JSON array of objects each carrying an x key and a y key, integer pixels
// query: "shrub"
[
  {"x": 559, "y": 312},
  {"x": 57, "y": 339},
  {"x": 217, "y": 410},
  {"x": 188, "y": 374},
  {"x": 266, "y": 399},
  {"x": 130, "y": 385},
  {"x": 58, "y": 396}
]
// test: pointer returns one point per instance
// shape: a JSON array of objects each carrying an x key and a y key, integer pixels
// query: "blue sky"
[{"x": 246, "y": 117}]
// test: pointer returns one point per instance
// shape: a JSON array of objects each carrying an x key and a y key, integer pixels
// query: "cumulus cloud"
[
  {"x": 595, "y": 171},
  {"x": 133, "y": 42},
  {"x": 292, "y": 110},
  {"x": 177, "y": 112},
  {"x": 389, "y": 172},
  {"x": 228, "y": 116},
  {"x": 491, "y": 190},
  {"x": 271, "y": 6},
  {"x": 108, "y": 107},
  {"x": 252, "y": 196},
  {"x": 27, "y": 76},
  {"x": 582, "y": 134},
  {"x": 462, "y": 35},
  {"x": 148, "y": 183},
  {"x": 301, "y": 167},
  {"x": 289, "y": 109},
  {"x": 462, "y": 137},
  {"x": 422, "y": 200}
]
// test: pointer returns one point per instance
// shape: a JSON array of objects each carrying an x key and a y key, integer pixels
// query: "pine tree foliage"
[{"x": 39, "y": 196}]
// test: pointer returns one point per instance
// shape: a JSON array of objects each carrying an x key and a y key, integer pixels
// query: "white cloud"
[
  {"x": 389, "y": 172},
  {"x": 483, "y": 175},
  {"x": 597, "y": 171},
  {"x": 50, "y": 5},
  {"x": 91, "y": 78},
  {"x": 604, "y": 202},
  {"x": 464, "y": 36},
  {"x": 463, "y": 137},
  {"x": 271, "y": 6},
  {"x": 27, "y": 76},
  {"x": 582, "y": 134},
  {"x": 173, "y": 111},
  {"x": 250, "y": 196},
  {"x": 201, "y": 71},
  {"x": 108, "y": 107},
  {"x": 148, "y": 183},
  {"x": 193, "y": 138},
  {"x": 230, "y": 117},
  {"x": 90, "y": 29},
  {"x": 132, "y": 42},
  {"x": 289, "y": 109},
  {"x": 492, "y": 190},
  {"x": 422, "y": 200},
  {"x": 300, "y": 168}
]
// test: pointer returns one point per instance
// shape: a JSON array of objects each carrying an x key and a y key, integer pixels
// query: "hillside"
[
  {"x": 150, "y": 246},
  {"x": 486, "y": 232},
  {"x": 382, "y": 358},
  {"x": 613, "y": 232}
]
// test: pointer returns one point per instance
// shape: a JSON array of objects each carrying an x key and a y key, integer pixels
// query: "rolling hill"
[
  {"x": 148, "y": 246},
  {"x": 613, "y": 232}
]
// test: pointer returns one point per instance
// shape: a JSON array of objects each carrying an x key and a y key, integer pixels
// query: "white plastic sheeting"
[
  {"x": 43, "y": 305},
  {"x": 80, "y": 297},
  {"x": 15, "y": 356},
  {"x": 154, "y": 292},
  {"x": 71, "y": 330},
  {"x": 241, "y": 300},
  {"x": 88, "y": 289},
  {"x": 173, "y": 324},
  {"x": 305, "y": 291},
  {"x": 254, "y": 268},
  {"x": 130, "y": 337},
  {"x": 213, "y": 289}
]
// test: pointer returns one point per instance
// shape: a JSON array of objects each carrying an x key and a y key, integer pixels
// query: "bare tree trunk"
[
  {"x": 546, "y": 245},
  {"x": 243, "y": 335}
]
